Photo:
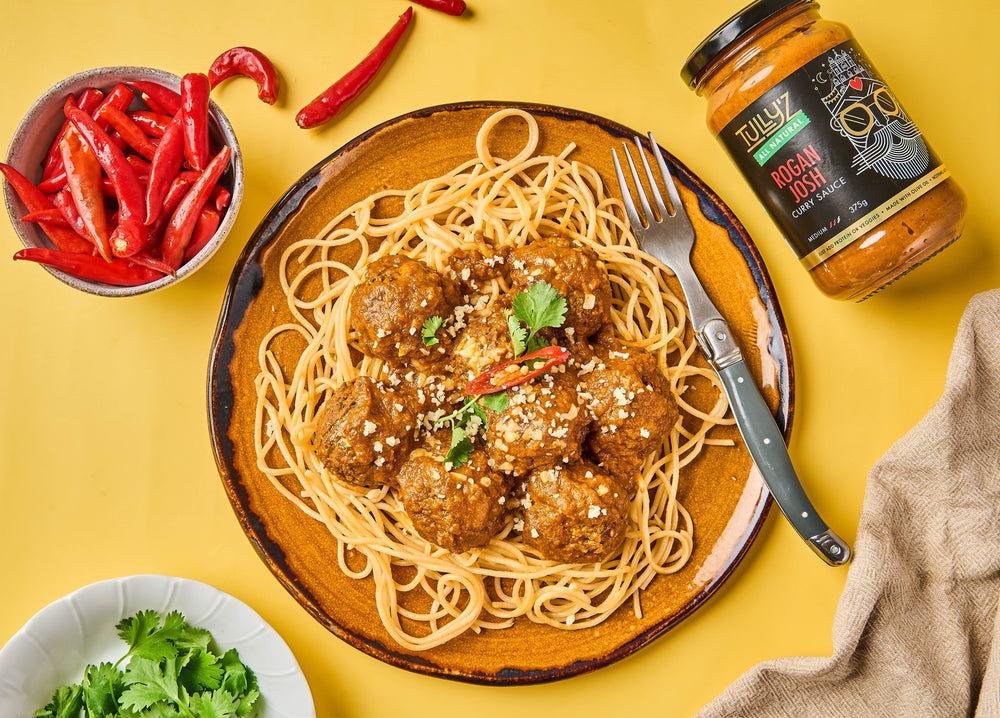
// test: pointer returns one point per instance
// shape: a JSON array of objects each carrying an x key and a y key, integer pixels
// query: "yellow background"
[{"x": 106, "y": 467}]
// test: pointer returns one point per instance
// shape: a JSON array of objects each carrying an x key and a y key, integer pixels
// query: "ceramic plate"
[
  {"x": 722, "y": 491},
  {"x": 52, "y": 648}
]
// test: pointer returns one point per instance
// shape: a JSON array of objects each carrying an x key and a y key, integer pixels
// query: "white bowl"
[
  {"x": 34, "y": 135},
  {"x": 58, "y": 642}
]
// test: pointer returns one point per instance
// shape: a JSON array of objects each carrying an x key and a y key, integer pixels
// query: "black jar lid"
[{"x": 728, "y": 32}]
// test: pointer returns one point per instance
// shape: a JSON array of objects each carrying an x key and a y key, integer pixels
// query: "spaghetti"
[{"x": 426, "y": 595}]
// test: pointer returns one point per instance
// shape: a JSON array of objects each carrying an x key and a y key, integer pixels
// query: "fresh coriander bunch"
[{"x": 170, "y": 669}]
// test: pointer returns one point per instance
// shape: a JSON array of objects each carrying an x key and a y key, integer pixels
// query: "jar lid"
[{"x": 729, "y": 32}]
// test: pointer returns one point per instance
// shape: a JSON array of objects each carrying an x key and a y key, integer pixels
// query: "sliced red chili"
[
  {"x": 34, "y": 200},
  {"x": 130, "y": 235},
  {"x": 178, "y": 233},
  {"x": 516, "y": 371},
  {"x": 194, "y": 109},
  {"x": 83, "y": 180},
  {"x": 248, "y": 62},
  {"x": 340, "y": 93},
  {"x": 87, "y": 266},
  {"x": 452, "y": 7}
]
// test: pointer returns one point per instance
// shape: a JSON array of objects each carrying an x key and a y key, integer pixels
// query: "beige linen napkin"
[{"x": 915, "y": 632}]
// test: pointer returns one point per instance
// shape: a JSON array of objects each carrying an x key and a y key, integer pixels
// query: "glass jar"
[{"x": 826, "y": 145}]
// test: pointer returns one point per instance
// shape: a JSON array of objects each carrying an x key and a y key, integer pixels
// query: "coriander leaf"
[
  {"x": 459, "y": 416},
  {"x": 247, "y": 703},
  {"x": 518, "y": 334},
  {"x": 157, "y": 710},
  {"x": 214, "y": 704},
  {"x": 460, "y": 449},
  {"x": 481, "y": 413},
  {"x": 182, "y": 634},
  {"x": 430, "y": 328},
  {"x": 141, "y": 634},
  {"x": 102, "y": 684},
  {"x": 66, "y": 702},
  {"x": 201, "y": 672},
  {"x": 149, "y": 683},
  {"x": 495, "y": 402},
  {"x": 237, "y": 678},
  {"x": 535, "y": 343},
  {"x": 540, "y": 306}
]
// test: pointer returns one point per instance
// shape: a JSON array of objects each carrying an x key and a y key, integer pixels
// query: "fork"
[{"x": 665, "y": 231}]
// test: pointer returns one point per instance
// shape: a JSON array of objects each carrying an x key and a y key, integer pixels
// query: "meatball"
[
  {"x": 390, "y": 305},
  {"x": 456, "y": 509},
  {"x": 365, "y": 431},
  {"x": 485, "y": 342},
  {"x": 575, "y": 272},
  {"x": 474, "y": 264},
  {"x": 632, "y": 407},
  {"x": 544, "y": 423},
  {"x": 574, "y": 512}
]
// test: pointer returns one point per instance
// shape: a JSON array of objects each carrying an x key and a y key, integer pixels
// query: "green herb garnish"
[
  {"x": 429, "y": 329},
  {"x": 171, "y": 670},
  {"x": 539, "y": 307}
]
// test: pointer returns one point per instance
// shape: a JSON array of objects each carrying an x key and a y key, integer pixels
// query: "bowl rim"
[{"x": 107, "y": 76}]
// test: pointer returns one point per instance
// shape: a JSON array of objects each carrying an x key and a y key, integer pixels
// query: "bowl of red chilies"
[{"x": 123, "y": 180}]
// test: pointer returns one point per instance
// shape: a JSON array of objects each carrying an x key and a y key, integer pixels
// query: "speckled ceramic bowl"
[
  {"x": 34, "y": 135},
  {"x": 721, "y": 489}
]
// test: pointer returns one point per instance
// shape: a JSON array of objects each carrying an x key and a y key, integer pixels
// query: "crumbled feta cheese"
[
  {"x": 593, "y": 512},
  {"x": 369, "y": 428}
]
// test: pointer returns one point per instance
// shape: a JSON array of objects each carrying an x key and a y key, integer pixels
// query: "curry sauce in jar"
[{"x": 844, "y": 172}]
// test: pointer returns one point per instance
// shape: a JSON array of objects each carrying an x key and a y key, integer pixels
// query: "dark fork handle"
[{"x": 767, "y": 447}]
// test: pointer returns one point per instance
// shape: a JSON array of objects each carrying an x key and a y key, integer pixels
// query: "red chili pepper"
[
  {"x": 498, "y": 379},
  {"x": 65, "y": 205},
  {"x": 130, "y": 235},
  {"x": 340, "y": 93},
  {"x": 47, "y": 215},
  {"x": 204, "y": 230},
  {"x": 182, "y": 223},
  {"x": 164, "y": 168},
  {"x": 83, "y": 179},
  {"x": 250, "y": 63},
  {"x": 145, "y": 259},
  {"x": 452, "y": 7},
  {"x": 167, "y": 101},
  {"x": 129, "y": 131},
  {"x": 86, "y": 266},
  {"x": 154, "y": 124},
  {"x": 65, "y": 239},
  {"x": 220, "y": 197},
  {"x": 194, "y": 106},
  {"x": 88, "y": 102},
  {"x": 175, "y": 194}
]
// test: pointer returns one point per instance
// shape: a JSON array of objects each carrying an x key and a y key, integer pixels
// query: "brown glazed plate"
[{"x": 723, "y": 492}]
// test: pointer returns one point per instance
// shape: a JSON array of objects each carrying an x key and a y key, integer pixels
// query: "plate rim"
[{"x": 245, "y": 284}]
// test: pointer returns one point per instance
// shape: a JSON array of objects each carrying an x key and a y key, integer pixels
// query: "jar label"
[{"x": 831, "y": 153}]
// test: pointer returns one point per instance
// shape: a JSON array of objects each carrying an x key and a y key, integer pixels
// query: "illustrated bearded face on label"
[{"x": 865, "y": 111}]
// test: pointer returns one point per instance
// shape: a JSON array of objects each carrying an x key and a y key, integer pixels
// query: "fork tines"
[{"x": 662, "y": 210}]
